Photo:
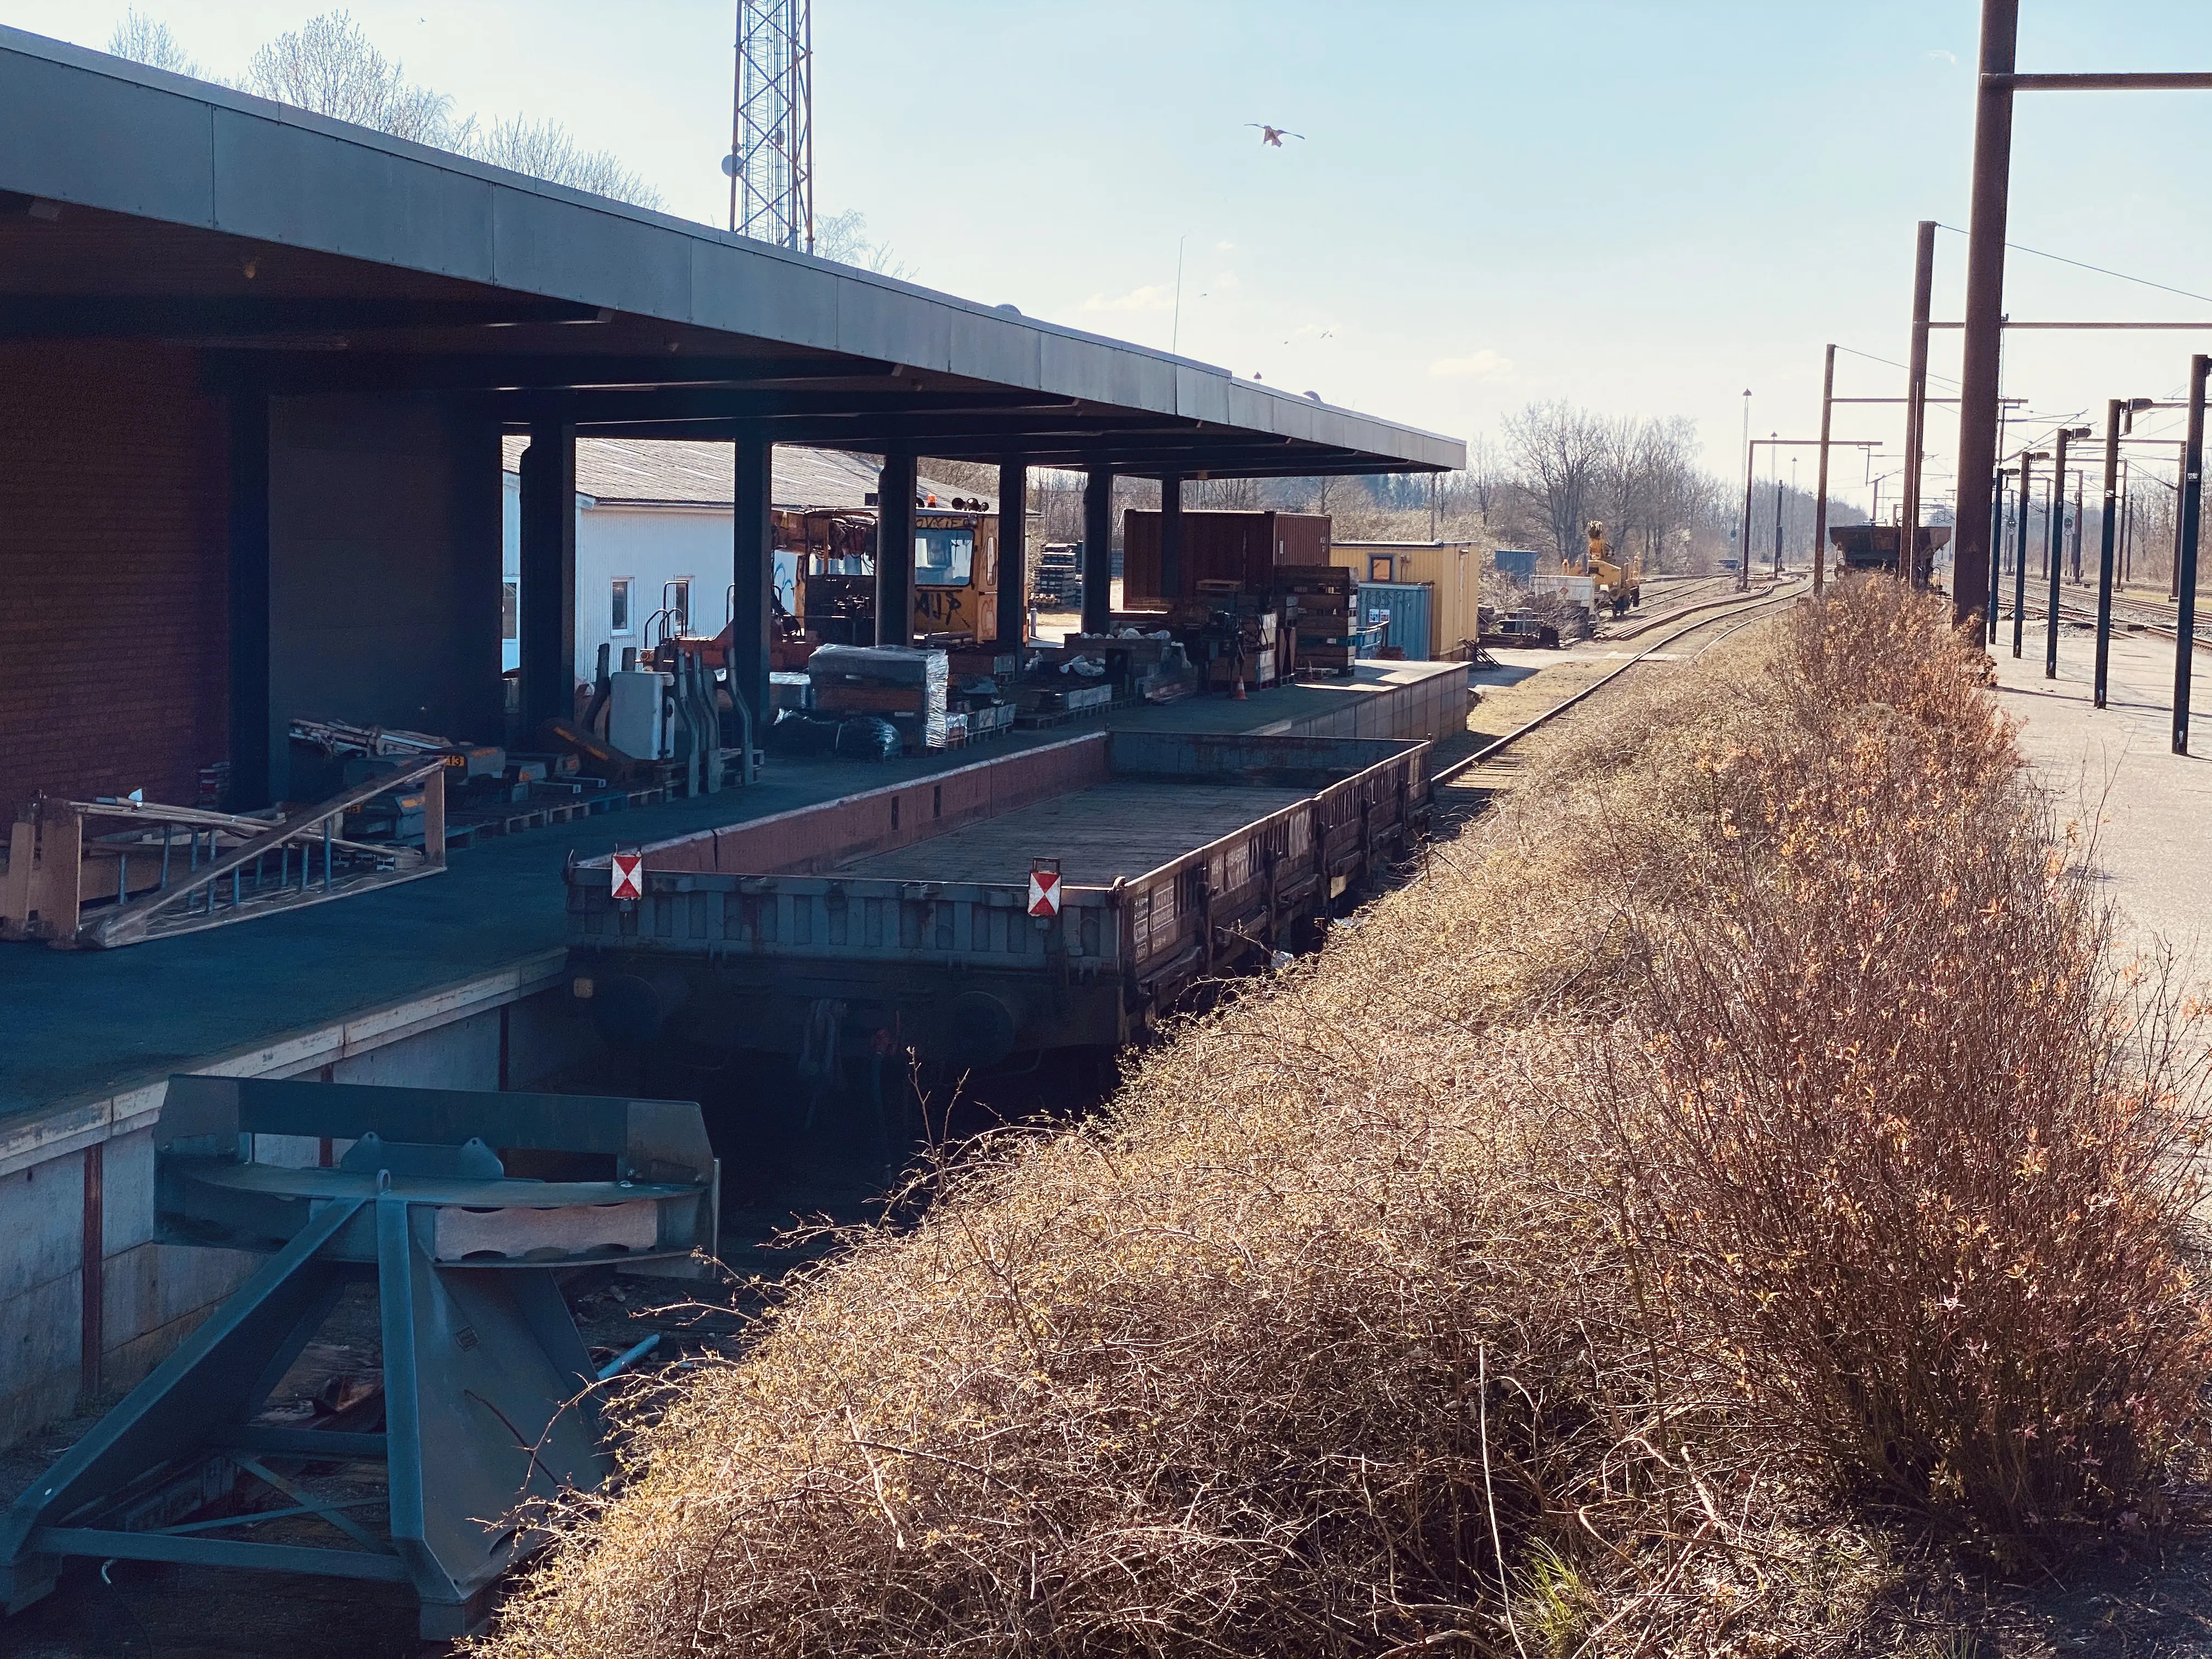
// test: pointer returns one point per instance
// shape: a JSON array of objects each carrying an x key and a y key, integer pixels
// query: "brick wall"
[{"x": 113, "y": 611}]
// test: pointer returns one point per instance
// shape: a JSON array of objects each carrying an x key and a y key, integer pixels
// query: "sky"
[{"x": 1645, "y": 207}]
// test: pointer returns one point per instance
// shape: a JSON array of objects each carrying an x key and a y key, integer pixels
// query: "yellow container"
[{"x": 1452, "y": 570}]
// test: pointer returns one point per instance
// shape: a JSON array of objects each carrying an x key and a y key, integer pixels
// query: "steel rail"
[
  {"x": 1498, "y": 744},
  {"x": 1660, "y": 619},
  {"x": 2165, "y": 629}
]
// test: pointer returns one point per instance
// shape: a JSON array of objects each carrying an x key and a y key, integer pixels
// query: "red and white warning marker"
[
  {"x": 630, "y": 875},
  {"x": 1044, "y": 887}
]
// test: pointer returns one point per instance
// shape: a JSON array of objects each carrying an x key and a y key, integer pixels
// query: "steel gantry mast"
[{"x": 771, "y": 159}]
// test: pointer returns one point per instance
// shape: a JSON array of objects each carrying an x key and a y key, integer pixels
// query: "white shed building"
[{"x": 653, "y": 533}]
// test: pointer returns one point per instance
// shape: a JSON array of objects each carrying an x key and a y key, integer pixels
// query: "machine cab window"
[{"x": 944, "y": 550}]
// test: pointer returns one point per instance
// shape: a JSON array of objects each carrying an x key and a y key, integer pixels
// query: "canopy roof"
[{"x": 303, "y": 254}]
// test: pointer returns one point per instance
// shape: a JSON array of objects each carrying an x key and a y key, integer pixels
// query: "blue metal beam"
[{"x": 217, "y": 1552}]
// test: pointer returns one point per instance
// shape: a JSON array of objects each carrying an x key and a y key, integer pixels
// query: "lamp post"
[
  {"x": 1743, "y": 553},
  {"x": 1821, "y": 486}
]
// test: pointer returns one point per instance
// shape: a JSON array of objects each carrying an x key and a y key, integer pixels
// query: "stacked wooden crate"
[{"x": 1323, "y": 626}]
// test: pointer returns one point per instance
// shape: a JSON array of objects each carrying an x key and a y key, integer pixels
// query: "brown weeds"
[
  {"x": 1911, "y": 1153},
  {"x": 1747, "y": 1117}
]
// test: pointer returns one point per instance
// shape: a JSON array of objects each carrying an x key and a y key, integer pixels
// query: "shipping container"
[
  {"x": 1405, "y": 609},
  {"x": 1452, "y": 570},
  {"x": 1516, "y": 565},
  {"x": 1240, "y": 547}
]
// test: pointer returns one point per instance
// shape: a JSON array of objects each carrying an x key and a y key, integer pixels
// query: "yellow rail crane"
[{"x": 1618, "y": 584}]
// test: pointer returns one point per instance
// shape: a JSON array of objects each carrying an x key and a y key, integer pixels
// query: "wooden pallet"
[{"x": 1045, "y": 719}]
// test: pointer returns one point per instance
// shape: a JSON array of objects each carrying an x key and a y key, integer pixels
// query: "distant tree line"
[{"x": 1549, "y": 470}]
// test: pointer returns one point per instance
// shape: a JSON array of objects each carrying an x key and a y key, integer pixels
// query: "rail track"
[
  {"x": 1709, "y": 593},
  {"x": 1734, "y": 616},
  {"x": 2137, "y": 616}
]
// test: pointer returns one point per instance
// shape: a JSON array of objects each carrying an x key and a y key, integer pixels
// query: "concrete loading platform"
[{"x": 454, "y": 983}]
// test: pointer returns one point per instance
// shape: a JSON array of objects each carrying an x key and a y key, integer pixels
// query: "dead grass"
[{"x": 1746, "y": 1124}]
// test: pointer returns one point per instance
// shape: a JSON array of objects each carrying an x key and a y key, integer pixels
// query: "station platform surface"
[
  {"x": 79, "y": 1025},
  {"x": 2113, "y": 771}
]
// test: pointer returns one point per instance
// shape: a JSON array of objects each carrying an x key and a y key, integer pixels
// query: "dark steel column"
[
  {"x": 1997, "y": 524},
  {"x": 1777, "y": 505},
  {"x": 2080, "y": 485},
  {"x": 2174, "y": 564},
  {"x": 547, "y": 647},
  {"x": 1013, "y": 618},
  {"x": 1750, "y": 478},
  {"x": 1171, "y": 535},
  {"x": 2055, "y": 553},
  {"x": 2104, "y": 545},
  {"x": 1820, "y": 488},
  {"x": 250, "y": 714},
  {"x": 1098, "y": 552},
  {"x": 1915, "y": 402},
  {"x": 1978, "y": 396},
  {"x": 2127, "y": 524},
  {"x": 752, "y": 574},
  {"x": 894, "y": 551},
  {"x": 2192, "y": 502},
  {"x": 2019, "y": 554}
]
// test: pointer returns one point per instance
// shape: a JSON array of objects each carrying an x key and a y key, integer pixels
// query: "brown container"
[{"x": 1244, "y": 547}]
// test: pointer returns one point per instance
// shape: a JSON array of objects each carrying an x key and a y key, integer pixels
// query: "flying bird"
[{"x": 1273, "y": 135}]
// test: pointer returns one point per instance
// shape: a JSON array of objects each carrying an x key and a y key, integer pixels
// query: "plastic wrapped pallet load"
[{"x": 909, "y": 687}]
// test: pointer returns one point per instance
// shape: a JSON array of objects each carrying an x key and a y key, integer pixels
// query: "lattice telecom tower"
[{"x": 771, "y": 160}]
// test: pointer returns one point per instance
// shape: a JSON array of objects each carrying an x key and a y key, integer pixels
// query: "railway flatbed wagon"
[{"x": 1058, "y": 896}]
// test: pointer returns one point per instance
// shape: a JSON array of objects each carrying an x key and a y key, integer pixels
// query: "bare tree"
[
  {"x": 1228, "y": 495},
  {"x": 142, "y": 40},
  {"x": 546, "y": 149},
  {"x": 844, "y": 237},
  {"x": 1557, "y": 452},
  {"x": 1485, "y": 480},
  {"x": 329, "y": 65}
]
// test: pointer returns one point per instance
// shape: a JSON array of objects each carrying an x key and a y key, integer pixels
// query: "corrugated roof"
[{"x": 668, "y": 473}]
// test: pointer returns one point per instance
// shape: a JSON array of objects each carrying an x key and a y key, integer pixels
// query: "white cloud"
[
  {"x": 1225, "y": 282},
  {"x": 1225, "y": 247},
  {"x": 1321, "y": 330},
  {"x": 1483, "y": 365},
  {"x": 1154, "y": 296},
  {"x": 1950, "y": 57}
]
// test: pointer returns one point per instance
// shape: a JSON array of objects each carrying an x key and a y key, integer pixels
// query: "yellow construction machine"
[{"x": 1618, "y": 584}]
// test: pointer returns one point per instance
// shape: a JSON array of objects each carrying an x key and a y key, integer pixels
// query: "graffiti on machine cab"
[{"x": 941, "y": 609}]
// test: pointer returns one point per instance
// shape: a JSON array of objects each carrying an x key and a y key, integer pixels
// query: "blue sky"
[{"x": 1644, "y": 208}]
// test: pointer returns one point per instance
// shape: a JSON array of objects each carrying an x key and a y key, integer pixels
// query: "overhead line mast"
[{"x": 771, "y": 159}]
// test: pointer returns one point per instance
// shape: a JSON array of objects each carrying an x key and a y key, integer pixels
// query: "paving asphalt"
[{"x": 2113, "y": 769}]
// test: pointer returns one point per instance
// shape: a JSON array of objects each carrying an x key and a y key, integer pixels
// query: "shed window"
[
  {"x": 510, "y": 606},
  {"x": 618, "y": 607}
]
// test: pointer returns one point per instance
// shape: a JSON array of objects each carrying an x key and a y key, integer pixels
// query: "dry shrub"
[
  {"x": 1464, "y": 1289},
  {"x": 1215, "y": 1376},
  {"x": 1911, "y": 1155}
]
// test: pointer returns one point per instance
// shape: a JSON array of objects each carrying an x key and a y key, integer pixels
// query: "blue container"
[
  {"x": 1406, "y": 607},
  {"x": 1516, "y": 565}
]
